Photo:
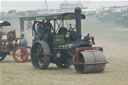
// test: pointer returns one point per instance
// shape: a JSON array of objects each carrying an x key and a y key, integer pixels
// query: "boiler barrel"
[{"x": 91, "y": 61}]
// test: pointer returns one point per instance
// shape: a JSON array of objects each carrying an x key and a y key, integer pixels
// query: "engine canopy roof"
[{"x": 52, "y": 16}]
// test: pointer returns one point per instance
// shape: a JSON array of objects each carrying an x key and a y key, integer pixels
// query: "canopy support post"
[{"x": 21, "y": 26}]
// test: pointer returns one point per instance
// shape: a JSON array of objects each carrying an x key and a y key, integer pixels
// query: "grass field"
[
  {"x": 110, "y": 36},
  {"x": 106, "y": 30}
]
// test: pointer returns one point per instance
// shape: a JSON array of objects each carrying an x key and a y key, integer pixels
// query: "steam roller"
[
  {"x": 65, "y": 45},
  {"x": 90, "y": 60}
]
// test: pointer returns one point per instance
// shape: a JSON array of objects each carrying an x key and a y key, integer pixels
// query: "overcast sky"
[
  {"x": 64, "y": 0},
  {"x": 6, "y": 5}
]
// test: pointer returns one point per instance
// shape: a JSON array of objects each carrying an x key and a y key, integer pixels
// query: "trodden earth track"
[
  {"x": 116, "y": 71},
  {"x": 12, "y": 73}
]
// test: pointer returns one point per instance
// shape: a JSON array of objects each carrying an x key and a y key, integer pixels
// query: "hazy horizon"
[{"x": 34, "y": 5}]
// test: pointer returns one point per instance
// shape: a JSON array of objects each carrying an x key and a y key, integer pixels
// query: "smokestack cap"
[{"x": 77, "y": 9}]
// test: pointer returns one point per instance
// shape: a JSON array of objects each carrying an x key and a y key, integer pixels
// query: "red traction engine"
[{"x": 9, "y": 43}]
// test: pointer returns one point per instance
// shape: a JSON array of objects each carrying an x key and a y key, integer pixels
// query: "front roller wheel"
[
  {"x": 39, "y": 55},
  {"x": 20, "y": 54},
  {"x": 90, "y": 61}
]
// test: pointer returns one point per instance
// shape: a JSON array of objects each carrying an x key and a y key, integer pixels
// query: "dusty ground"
[{"x": 116, "y": 72}]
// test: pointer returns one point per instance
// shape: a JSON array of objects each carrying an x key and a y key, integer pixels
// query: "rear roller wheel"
[
  {"x": 39, "y": 57},
  {"x": 65, "y": 61},
  {"x": 20, "y": 54}
]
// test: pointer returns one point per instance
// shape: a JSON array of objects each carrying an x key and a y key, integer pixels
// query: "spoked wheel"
[
  {"x": 20, "y": 54},
  {"x": 2, "y": 57},
  {"x": 65, "y": 61},
  {"x": 39, "y": 57}
]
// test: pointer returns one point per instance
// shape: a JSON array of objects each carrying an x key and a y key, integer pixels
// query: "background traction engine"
[
  {"x": 9, "y": 43},
  {"x": 66, "y": 48}
]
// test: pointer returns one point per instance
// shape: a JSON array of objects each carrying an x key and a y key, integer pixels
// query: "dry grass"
[{"x": 116, "y": 71}]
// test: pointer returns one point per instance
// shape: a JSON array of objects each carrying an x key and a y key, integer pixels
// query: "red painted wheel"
[{"x": 20, "y": 54}]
